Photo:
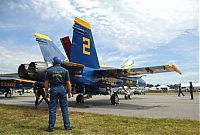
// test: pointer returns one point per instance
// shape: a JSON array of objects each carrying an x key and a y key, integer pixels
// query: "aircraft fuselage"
[{"x": 89, "y": 80}]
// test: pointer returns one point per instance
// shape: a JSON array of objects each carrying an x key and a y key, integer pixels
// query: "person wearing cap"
[{"x": 58, "y": 79}]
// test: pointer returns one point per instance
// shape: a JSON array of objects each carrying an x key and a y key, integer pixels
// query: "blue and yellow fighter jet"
[
  {"x": 87, "y": 77},
  {"x": 7, "y": 83}
]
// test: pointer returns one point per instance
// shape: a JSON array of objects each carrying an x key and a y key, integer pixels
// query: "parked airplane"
[
  {"x": 87, "y": 77},
  {"x": 7, "y": 83}
]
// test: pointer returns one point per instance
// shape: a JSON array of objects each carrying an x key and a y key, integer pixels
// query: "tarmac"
[{"x": 146, "y": 106}]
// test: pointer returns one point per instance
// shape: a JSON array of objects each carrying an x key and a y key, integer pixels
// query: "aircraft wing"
[
  {"x": 13, "y": 81},
  {"x": 137, "y": 71}
]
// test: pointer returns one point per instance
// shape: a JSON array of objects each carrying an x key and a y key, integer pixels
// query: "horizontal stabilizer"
[{"x": 75, "y": 69}]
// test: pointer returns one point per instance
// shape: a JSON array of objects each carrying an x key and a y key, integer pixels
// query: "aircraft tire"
[
  {"x": 80, "y": 99},
  {"x": 8, "y": 95},
  {"x": 114, "y": 99}
]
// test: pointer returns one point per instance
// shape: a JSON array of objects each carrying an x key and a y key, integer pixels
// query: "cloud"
[
  {"x": 13, "y": 56},
  {"x": 9, "y": 27},
  {"x": 117, "y": 59},
  {"x": 138, "y": 23},
  {"x": 123, "y": 29}
]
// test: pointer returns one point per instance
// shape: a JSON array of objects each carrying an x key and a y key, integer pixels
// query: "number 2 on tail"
[{"x": 87, "y": 45}]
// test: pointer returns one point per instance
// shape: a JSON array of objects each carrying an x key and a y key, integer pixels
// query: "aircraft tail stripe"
[
  {"x": 42, "y": 36},
  {"x": 48, "y": 48},
  {"x": 41, "y": 41},
  {"x": 82, "y": 23},
  {"x": 79, "y": 30}
]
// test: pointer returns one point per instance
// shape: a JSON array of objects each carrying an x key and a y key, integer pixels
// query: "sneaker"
[
  {"x": 49, "y": 130},
  {"x": 70, "y": 128}
]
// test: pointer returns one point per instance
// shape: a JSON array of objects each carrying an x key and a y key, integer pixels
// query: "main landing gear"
[
  {"x": 114, "y": 99},
  {"x": 8, "y": 94},
  {"x": 80, "y": 99}
]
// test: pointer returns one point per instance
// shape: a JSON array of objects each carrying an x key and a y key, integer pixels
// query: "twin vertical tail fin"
[
  {"x": 83, "y": 49},
  {"x": 48, "y": 48},
  {"x": 66, "y": 45}
]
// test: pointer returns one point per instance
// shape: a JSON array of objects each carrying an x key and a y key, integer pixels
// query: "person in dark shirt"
[
  {"x": 191, "y": 90},
  {"x": 180, "y": 90},
  {"x": 39, "y": 91},
  {"x": 60, "y": 87}
]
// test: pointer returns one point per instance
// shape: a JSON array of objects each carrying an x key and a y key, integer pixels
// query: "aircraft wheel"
[
  {"x": 80, "y": 99},
  {"x": 8, "y": 95},
  {"x": 114, "y": 99}
]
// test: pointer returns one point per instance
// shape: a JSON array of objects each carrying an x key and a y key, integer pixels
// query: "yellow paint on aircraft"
[
  {"x": 42, "y": 36},
  {"x": 82, "y": 23}
]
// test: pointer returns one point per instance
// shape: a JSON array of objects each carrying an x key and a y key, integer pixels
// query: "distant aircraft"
[
  {"x": 7, "y": 83},
  {"x": 86, "y": 75}
]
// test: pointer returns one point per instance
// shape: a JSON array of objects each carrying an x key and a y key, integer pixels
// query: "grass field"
[{"x": 26, "y": 120}]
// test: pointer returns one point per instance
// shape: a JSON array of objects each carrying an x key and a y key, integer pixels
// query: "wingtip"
[{"x": 176, "y": 69}]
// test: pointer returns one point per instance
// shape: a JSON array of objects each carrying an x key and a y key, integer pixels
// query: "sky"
[{"x": 151, "y": 32}]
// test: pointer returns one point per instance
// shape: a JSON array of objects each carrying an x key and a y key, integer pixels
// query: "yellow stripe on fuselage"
[
  {"x": 42, "y": 36},
  {"x": 82, "y": 23},
  {"x": 131, "y": 73},
  {"x": 26, "y": 81}
]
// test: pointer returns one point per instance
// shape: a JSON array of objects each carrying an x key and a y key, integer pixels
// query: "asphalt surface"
[{"x": 148, "y": 106}]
